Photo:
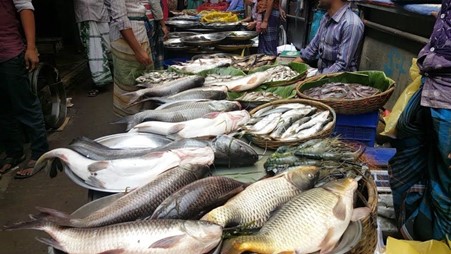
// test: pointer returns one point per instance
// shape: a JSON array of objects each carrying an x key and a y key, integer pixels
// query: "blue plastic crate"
[
  {"x": 380, "y": 156},
  {"x": 361, "y": 128}
]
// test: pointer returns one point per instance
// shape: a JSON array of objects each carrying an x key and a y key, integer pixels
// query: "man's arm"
[
  {"x": 352, "y": 35},
  {"x": 157, "y": 12},
  {"x": 25, "y": 9},
  {"x": 311, "y": 51},
  {"x": 269, "y": 7}
]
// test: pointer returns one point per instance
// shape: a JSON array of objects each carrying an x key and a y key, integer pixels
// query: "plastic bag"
[
  {"x": 392, "y": 120},
  {"x": 395, "y": 246}
]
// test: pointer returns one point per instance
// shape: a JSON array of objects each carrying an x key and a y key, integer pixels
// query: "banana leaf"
[
  {"x": 222, "y": 71},
  {"x": 376, "y": 79},
  {"x": 285, "y": 92},
  {"x": 300, "y": 68}
]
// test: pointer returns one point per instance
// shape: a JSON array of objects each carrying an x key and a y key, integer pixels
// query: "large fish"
[
  {"x": 120, "y": 174},
  {"x": 169, "y": 88},
  {"x": 206, "y": 93},
  {"x": 198, "y": 198},
  {"x": 252, "y": 207},
  {"x": 139, "y": 203},
  {"x": 213, "y": 124},
  {"x": 181, "y": 113},
  {"x": 313, "y": 221},
  {"x": 146, "y": 237},
  {"x": 232, "y": 152},
  {"x": 245, "y": 83}
]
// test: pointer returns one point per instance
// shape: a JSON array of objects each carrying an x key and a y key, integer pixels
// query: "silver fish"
[{"x": 342, "y": 91}]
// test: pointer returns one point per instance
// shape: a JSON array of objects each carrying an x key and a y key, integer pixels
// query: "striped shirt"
[{"x": 336, "y": 42}]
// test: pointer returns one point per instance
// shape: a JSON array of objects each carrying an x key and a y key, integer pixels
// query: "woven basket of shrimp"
[
  {"x": 349, "y": 93},
  {"x": 312, "y": 119}
]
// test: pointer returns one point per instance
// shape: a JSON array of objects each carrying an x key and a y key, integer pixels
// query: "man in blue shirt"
[
  {"x": 337, "y": 40},
  {"x": 235, "y": 5}
]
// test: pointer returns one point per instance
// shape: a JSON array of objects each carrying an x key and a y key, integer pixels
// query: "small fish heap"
[
  {"x": 157, "y": 77},
  {"x": 262, "y": 96},
  {"x": 282, "y": 73},
  {"x": 289, "y": 122},
  {"x": 248, "y": 63},
  {"x": 341, "y": 91},
  {"x": 202, "y": 64}
]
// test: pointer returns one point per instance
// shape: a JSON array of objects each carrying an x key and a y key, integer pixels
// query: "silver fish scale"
[
  {"x": 142, "y": 202},
  {"x": 253, "y": 206},
  {"x": 135, "y": 237},
  {"x": 302, "y": 222}
]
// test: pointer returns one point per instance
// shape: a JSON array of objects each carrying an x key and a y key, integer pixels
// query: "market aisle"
[{"x": 90, "y": 117}]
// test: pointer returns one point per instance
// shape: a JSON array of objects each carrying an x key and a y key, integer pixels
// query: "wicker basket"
[
  {"x": 273, "y": 144},
  {"x": 349, "y": 107},
  {"x": 367, "y": 196}
]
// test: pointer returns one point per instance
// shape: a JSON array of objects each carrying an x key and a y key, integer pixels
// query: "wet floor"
[{"x": 90, "y": 117}]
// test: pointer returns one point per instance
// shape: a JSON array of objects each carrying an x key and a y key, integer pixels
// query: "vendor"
[
  {"x": 235, "y": 5},
  {"x": 268, "y": 39},
  {"x": 130, "y": 48},
  {"x": 157, "y": 30},
  {"x": 420, "y": 175},
  {"x": 337, "y": 40}
]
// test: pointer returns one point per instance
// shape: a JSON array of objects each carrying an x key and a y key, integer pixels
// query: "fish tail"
[
  {"x": 35, "y": 224},
  {"x": 156, "y": 100},
  {"x": 129, "y": 120},
  {"x": 54, "y": 216},
  {"x": 241, "y": 244}
]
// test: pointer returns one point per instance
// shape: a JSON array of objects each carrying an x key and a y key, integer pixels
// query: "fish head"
[
  {"x": 303, "y": 177},
  {"x": 224, "y": 106},
  {"x": 206, "y": 233},
  {"x": 198, "y": 170},
  {"x": 343, "y": 187},
  {"x": 231, "y": 151}
]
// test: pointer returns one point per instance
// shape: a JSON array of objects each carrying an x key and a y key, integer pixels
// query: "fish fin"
[
  {"x": 97, "y": 166},
  {"x": 32, "y": 224},
  {"x": 115, "y": 251},
  {"x": 124, "y": 119},
  {"x": 176, "y": 128},
  {"x": 211, "y": 115},
  {"x": 155, "y": 154},
  {"x": 328, "y": 243},
  {"x": 167, "y": 242},
  {"x": 51, "y": 242},
  {"x": 360, "y": 213},
  {"x": 52, "y": 215},
  {"x": 340, "y": 210},
  {"x": 230, "y": 194},
  {"x": 218, "y": 248},
  {"x": 93, "y": 181}
]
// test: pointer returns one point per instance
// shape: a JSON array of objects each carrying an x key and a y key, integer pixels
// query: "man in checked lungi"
[
  {"x": 269, "y": 15},
  {"x": 337, "y": 40},
  {"x": 92, "y": 19},
  {"x": 420, "y": 175}
]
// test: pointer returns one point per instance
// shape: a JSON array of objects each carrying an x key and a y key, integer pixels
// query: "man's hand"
[
  {"x": 298, "y": 60},
  {"x": 251, "y": 25},
  {"x": 283, "y": 15},
  {"x": 264, "y": 26},
  {"x": 31, "y": 59},
  {"x": 165, "y": 32},
  {"x": 143, "y": 58}
]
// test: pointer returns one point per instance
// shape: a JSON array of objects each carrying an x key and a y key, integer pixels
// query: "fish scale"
[{"x": 253, "y": 206}]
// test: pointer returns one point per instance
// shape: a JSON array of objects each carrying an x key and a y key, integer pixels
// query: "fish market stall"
[{"x": 222, "y": 157}]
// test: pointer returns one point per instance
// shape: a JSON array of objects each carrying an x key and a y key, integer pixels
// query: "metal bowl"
[
  {"x": 177, "y": 35},
  {"x": 204, "y": 39},
  {"x": 235, "y": 46},
  {"x": 221, "y": 26},
  {"x": 176, "y": 44},
  {"x": 182, "y": 23},
  {"x": 242, "y": 35},
  {"x": 185, "y": 17}
]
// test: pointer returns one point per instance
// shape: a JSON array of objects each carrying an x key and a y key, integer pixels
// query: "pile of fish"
[
  {"x": 289, "y": 122},
  {"x": 259, "y": 96},
  {"x": 253, "y": 61},
  {"x": 341, "y": 91},
  {"x": 282, "y": 73},
  {"x": 331, "y": 154},
  {"x": 155, "y": 78},
  {"x": 202, "y": 64}
]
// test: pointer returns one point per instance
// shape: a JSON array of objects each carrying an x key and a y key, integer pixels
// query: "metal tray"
[
  {"x": 242, "y": 35},
  {"x": 221, "y": 26},
  {"x": 204, "y": 39},
  {"x": 177, "y": 35},
  {"x": 182, "y": 23},
  {"x": 176, "y": 44},
  {"x": 185, "y": 17},
  {"x": 233, "y": 47}
]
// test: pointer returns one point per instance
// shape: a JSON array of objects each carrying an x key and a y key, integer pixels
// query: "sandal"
[
  {"x": 30, "y": 166},
  {"x": 12, "y": 161},
  {"x": 93, "y": 93}
]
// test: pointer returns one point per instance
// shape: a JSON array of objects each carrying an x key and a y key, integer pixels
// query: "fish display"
[
  {"x": 152, "y": 237},
  {"x": 210, "y": 125},
  {"x": 252, "y": 207},
  {"x": 181, "y": 113},
  {"x": 244, "y": 83},
  {"x": 341, "y": 91},
  {"x": 281, "y": 73},
  {"x": 198, "y": 198},
  {"x": 137, "y": 204},
  {"x": 289, "y": 122},
  {"x": 232, "y": 152},
  {"x": 253, "y": 61},
  {"x": 259, "y": 96},
  {"x": 156, "y": 78},
  {"x": 120, "y": 174},
  {"x": 216, "y": 78},
  {"x": 202, "y": 64},
  {"x": 313, "y": 221},
  {"x": 165, "y": 89},
  {"x": 206, "y": 93}
]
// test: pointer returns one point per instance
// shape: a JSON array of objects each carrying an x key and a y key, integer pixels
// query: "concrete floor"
[{"x": 90, "y": 117}]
